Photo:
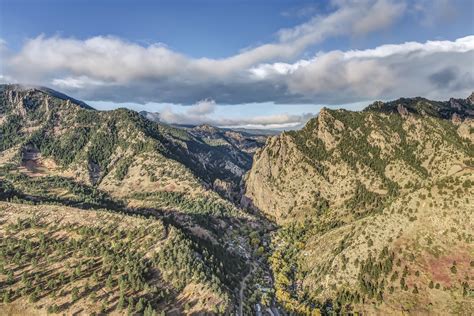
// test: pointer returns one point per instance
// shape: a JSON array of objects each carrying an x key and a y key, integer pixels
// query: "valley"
[{"x": 114, "y": 212}]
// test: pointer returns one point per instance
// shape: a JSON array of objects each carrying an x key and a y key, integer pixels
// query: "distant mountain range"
[{"x": 155, "y": 117}]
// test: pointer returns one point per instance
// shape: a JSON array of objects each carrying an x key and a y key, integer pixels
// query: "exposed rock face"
[
  {"x": 351, "y": 184},
  {"x": 97, "y": 144},
  {"x": 54, "y": 149},
  {"x": 229, "y": 159},
  {"x": 402, "y": 110},
  {"x": 421, "y": 106},
  {"x": 339, "y": 151},
  {"x": 470, "y": 99}
]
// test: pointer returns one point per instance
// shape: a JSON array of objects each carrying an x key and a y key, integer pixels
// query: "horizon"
[
  {"x": 249, "y": 127},
  {"x": 239, "y": 64}
]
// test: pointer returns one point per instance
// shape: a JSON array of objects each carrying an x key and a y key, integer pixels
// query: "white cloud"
[
  {"x": 350, "y": 17},
  {"x": 432, "y": 12},
  {"x": 109, "y": 68},
  {"x": 6, "y": 79},
  {"x": 80, "y": 82},
  {"x": 112, "y": 59},
  {"x": 203, "y": 113},
  {"x": 202, "y": 107},
  {"x": 407, "y": 69}
]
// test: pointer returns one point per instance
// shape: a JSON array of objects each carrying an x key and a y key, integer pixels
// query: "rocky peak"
[
  {"x": 32, "y": 96},
  {"x": 470, "y": 99},
  {"x": 206, "y": 128},
  {"x": 454, "y": 103},
  {"x": 402, "y": 110}
]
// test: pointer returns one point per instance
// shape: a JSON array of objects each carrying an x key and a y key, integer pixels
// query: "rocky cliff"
[{"x": 374, "y": 208}]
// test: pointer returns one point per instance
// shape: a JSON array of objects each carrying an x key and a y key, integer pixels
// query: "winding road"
[{"x": 243, "y": 285}]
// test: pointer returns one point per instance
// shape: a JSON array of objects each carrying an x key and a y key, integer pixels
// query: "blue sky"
[{"x": 244, "y": 62}]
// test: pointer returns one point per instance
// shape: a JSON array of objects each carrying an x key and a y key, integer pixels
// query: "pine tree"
[
  {"x": 33, "y": 297},
  {"x": 103, "y": 308},
  {"x": 149, "y": 310},
  {"x": 140, "y": 305},
  {"x": 6, "y": 297},
  {"x": 121, "y": 302},
  {"x": 379, "y": 297},
  {"x": 75, "y": 294},
  {"x": 109, "y": 282},
  {"x": 130, "y": 305},
  {"x": 10, "y": 277},
  {"x": 454, "y": 270}
]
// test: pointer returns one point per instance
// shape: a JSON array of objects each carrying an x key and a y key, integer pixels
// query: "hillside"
[
  {"x": 57, "y": 153},
  {"x": 374, "y": 207},
  {"x": 112, "y": 212},
  {"x": 98, "y": 147},
  {"x": 60, "y": 259},
  {"x": 232, "y": 151}
]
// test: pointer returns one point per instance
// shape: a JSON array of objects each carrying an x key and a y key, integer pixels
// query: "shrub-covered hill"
[
  {"x": 375, "y": 208},
  {"x": 59, "y": 259},
  {"x": 112, "y": 149},
  {"x": 57, "y": 153}
]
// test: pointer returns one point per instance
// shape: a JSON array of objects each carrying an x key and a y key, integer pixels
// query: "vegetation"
[{"x": 108, "y": 212}]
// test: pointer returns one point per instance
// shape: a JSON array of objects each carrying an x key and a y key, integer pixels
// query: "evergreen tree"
[
  {"x": 130, "y": 305},
  {"x": 121, "y": 302},
  {"x": 140, "y": 305},
  {"x": 109, "y": 282},
  {"x": 6, "y": 297}
]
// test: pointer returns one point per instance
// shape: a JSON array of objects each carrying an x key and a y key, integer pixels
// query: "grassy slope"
[
  {"x": 57, "y": 153},
  {"x": 48, "y": 251},
  {"x": 350, "y": 184}
]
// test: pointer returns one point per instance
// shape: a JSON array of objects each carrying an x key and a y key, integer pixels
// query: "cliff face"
[
  {"x": 355, "y": 193},
  {"x": 340, "y": 156}
]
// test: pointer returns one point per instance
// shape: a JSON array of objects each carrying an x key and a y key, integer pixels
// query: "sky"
[{"x": 239, "y": 63}]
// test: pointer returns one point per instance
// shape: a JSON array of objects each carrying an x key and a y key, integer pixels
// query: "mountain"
[
  {"x": 257, "y": 132},
  {"x": 99, "y": 147},
  {"x": 111, "y": 212},
  {"x": 152, "y": 116},
  {"x": 374, "y": 208},
  {"x": 126, "y": 205},
  {"x": 231, "y": 153}
]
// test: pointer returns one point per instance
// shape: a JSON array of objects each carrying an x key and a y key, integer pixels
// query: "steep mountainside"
[
  {"x": 375, "y": 208},
  {"x": 231, "y": 153},
  {"x": 55, "y": 150},
  {"x": 110, "y": 212}
]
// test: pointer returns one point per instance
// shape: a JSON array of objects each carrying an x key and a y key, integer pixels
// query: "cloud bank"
[
  {"x": 105, "y": 68},
  {"x": 203, "y": 112}
]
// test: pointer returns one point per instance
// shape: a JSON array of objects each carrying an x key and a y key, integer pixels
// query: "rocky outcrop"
[
  {"x": 341, "y": 158},
  {"x": 368, "y": 206}
]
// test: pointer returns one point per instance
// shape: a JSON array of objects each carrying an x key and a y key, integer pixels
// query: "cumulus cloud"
[
  {"x": 435, "y": 69},
  {"x": 112, "y": 69},
  {"x": 112, "y": 59},
  {"x": 80, "y": 82},
  {"x": 203, "y": 112}
]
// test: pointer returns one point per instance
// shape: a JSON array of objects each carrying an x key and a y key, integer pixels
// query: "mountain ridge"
[
  {"x": 364, "y": 211},
  {"x": 393, "y": 167},
  {"x": 55, "y": 151}
]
